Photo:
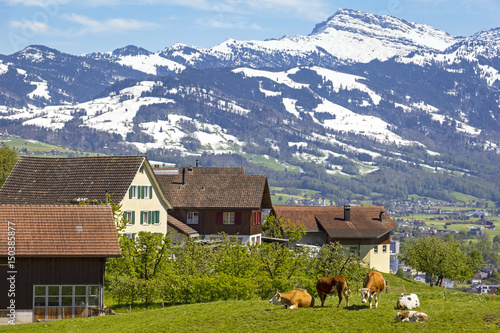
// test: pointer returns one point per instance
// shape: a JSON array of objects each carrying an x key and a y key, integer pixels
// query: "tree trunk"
[
  {"x": 440, "y": 281},
  {"x": 431, "y": 282}
]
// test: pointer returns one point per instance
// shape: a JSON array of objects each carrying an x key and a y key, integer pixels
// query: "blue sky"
[{"x": 77, "y": 27}]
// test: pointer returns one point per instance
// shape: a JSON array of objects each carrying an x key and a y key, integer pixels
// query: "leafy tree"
[
  {"x": 334, "y": 259},
  {"x": 8, "y": 158},
  {"x": 279, "y": 228},
  {"x": 442, "y": 258},
  {"x": 400, "y": 273}
]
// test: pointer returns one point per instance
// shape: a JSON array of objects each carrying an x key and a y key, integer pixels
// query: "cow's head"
[
  {"x": 276, "y": 300},
  {"x": 365, "y": 294}
]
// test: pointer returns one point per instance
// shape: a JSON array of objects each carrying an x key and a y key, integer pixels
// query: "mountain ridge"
[{"x": 345, "y": 125}]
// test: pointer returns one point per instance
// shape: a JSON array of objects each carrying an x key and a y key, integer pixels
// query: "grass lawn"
[
  {"x": 40, "y": 148},
  {"x": 459, "y": 312}
]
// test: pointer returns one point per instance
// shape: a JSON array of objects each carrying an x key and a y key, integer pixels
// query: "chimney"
[
  {"x": 347, "y": 213},
  {"x": 383, "y": 217},
  {"x": 196, "y": 163},
  {"x": 183, "y": 176}
]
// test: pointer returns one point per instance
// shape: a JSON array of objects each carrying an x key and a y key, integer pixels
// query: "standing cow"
[
  {"x": 293, "y": 299},
  {"x": 373, "y": 285},
  {"x": 328, "y": 285}
]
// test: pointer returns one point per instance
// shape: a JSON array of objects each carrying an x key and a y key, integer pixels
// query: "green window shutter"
[
  {"x": 142, "y": 219},
  {"x": 149, "y": 217},
  {"x": 133, "y": 236},
  {"x": 142, "y": 192},
  {"x": 130, "y": 192},
  {"x": 157, "y": 216},
  {"x": 150, "y": 192},
  {"x": 133, "y": 217}
]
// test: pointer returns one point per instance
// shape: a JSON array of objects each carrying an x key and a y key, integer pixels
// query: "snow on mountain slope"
[
  {"x": 348, "y": 35},
  {"x": 149, "y": 63}
]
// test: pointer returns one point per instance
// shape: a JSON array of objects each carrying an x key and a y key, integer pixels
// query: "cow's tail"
[
  {"x": 386, "y": 286},
  {"x": 312, "y": 300},
  {"x": 349, "y": 292}
]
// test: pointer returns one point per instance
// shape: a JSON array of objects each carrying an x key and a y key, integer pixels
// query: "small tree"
[
  {"x": 8, "y": 158},
  {"x": 279, "y": 228},
  {"x": 442, "y": 258}
]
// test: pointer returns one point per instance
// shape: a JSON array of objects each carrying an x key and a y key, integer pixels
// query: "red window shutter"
[
  {"x": 259, "y": 217},
  {"x": 218, "y": 218},
  {"x": 237, "y": 218}
]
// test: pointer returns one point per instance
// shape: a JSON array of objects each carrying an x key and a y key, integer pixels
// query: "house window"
[
  {"x": 146, "y": 192},
  {"x": 130, "y": 235},
  {"x": 384, "y": 248},
  {"x": 375, "y": 249},
  {"x": 228, "y": 218},
  {"x": 133, "y": 193},
  {"x": 130, "y": 216},
  {"x": 66, "y": 301},
  {"x": 150, "y": 217},
  {"x": 192, "y": 217}
]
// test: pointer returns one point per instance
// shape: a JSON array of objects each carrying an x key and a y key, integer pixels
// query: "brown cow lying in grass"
[
  {"x": 328, "y": 285},
  {"x": 293, "y": 299},
  {"x": 411, "y": 316}
]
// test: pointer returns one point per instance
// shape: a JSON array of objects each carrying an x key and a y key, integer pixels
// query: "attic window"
[{"x": 79, "y": 228}]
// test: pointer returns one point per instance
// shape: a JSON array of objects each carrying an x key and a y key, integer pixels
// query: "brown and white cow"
[
  {"x": 373, "y": 285},
  {"x": 408, "y": 302},
  {"x": 411, "y": 316},
  {"x": 328, "y": 285},
  {"x": 293, "y": 299}
]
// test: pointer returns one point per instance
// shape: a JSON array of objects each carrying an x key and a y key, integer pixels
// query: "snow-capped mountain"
[
  {"x": 348, "y": 36},
  {"x": 363, "y": 95}
]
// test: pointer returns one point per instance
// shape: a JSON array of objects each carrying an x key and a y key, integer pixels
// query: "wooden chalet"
[
  {"x": 61, "y": 181},
  {"x": 215, "y": 200},
  {"x": 365, "y": 231},
  {"x": 55, "y": 269}
]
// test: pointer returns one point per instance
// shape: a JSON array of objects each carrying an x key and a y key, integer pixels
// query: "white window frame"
[
  {"x": 228, "y": 218},
  {"x": 135, "y": 192},
  {"x": 375, "y": 249},
  {"x": 128, "y": 216},
  {"x": 193, "y": 217},
  {"x": 384, "y": 248},
  {"x": 147, "y": 194},
  {"x": 145, "y": 217}
]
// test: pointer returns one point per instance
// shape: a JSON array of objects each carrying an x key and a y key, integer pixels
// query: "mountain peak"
[
  {"x": 130, "y": 50},
  {"x": 383, "y": 28}
]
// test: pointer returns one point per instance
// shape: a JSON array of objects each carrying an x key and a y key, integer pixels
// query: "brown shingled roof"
[
  {"x": 215, "y": 190},
  {"x": 59, "y": 230},
  {"x": 40, "y": 180},
  {"x": 365, "y": 222},
  {"x": 181, "y": 227}
]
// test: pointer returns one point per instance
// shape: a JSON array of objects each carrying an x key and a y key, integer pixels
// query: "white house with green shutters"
[
  {"x": 68, "y": 181},
  {"x": 145, "y": 207}
]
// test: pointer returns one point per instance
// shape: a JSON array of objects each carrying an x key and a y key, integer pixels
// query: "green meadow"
[{"x": 450, "y": 311}]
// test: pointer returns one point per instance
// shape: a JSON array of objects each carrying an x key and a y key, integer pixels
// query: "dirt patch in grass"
[{"x": 492, "y": 321}]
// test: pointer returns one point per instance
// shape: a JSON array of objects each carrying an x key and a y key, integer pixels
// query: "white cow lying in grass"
[
  {"x": 408, "y": 302},
  {"x": 411, "y": 316},
  {"x": 293, "y": 299}
]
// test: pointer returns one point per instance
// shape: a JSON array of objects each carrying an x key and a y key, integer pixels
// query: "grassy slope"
[{"x": 460, "y": 312}]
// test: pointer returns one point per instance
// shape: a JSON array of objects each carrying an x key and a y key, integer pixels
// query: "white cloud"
[
  {"x": 32, "y": 26},
  {"x": 240, "y": 25},
  {"x": 114, "y": 25},
  {"x": 36, "y": 3}
]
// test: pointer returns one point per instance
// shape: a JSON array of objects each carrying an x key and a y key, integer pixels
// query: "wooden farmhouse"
[
  {"x": 215, "y": 200},
  {"x": 365, "y": 231},
  {"x": 62, "y": 181},
  {"x": 55, "y": 269}
]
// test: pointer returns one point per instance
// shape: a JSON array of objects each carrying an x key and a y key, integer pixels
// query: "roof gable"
[
  {"x": 40, "y": 180},
  {"x": 364, "y": 222},
  {"x": 70, "y": 230},
  {"x": 195, "y": 189}
]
